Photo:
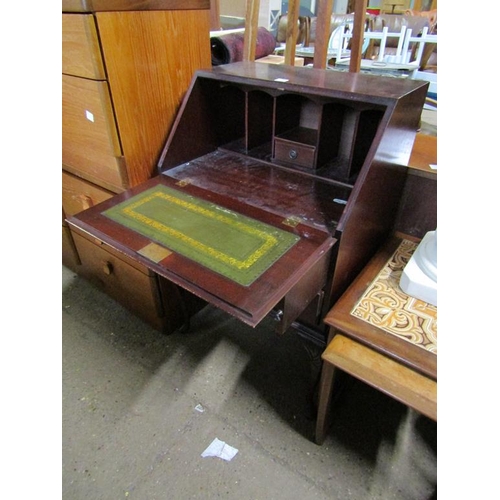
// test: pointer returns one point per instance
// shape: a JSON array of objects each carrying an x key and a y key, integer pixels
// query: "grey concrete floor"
[{"x": 131, "y": 427}]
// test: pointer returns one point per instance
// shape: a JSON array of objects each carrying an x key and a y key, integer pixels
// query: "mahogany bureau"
[{"x": 275, "y": 187}]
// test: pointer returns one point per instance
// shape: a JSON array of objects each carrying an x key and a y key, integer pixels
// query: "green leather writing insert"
[{"x": 233, "y": 245}]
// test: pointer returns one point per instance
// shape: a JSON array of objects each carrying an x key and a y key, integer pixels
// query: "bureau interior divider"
[{"x": 327, "y": 138}]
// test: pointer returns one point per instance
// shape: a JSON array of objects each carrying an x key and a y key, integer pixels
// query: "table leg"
[{"x": 328, "y": 374}]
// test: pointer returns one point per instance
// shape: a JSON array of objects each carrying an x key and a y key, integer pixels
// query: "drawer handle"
[
  {"x": 293, "y": 154},
  {"x": 86, "y": 201},
  {"x": 107, "y": 268}
]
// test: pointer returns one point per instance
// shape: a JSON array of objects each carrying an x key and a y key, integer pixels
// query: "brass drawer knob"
[{"x": 107, "y": 268}]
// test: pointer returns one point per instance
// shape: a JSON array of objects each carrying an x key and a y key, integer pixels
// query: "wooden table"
[{"x": 383, "y": 337}]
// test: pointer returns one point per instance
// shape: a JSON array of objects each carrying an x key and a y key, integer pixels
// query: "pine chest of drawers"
[{"x": 126, "y": 66}]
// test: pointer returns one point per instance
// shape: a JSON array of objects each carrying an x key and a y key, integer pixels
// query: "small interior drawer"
[
  {"x": 78, "y": 194},
  {"x": 81, "y": 54},
  {"x": 294, "y": 153},
  {"x": 91, "y": 147}
]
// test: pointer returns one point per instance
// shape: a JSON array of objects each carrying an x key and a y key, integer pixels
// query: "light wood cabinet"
[
  {"x": 78, "y": 195},
  {"x": 126, "y": 66},
  {"x": 91, "y": 146},
  {"x": 81, "y": 55},
  {"x": 124, "y": 75}
]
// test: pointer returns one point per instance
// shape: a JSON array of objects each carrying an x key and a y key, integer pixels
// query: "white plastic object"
[{"x": 419, "y": 277}]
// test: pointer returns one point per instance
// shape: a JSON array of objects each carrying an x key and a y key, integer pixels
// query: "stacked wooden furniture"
[
  {"x": 126, "y": 66},
  {"x": 377, "y": 333},
  {"x": 316, "y": 154}
]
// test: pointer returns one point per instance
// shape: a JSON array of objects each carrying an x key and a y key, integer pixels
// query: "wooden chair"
[
  {"x": 322, "y": 32},
  {"x": 340, "y": 39},
  {"x": 369, "y": 37},
  {"x": 414, "y": 45}
]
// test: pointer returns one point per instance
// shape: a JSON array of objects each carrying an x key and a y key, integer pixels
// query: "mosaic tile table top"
[{"x": 385, "y": 306}]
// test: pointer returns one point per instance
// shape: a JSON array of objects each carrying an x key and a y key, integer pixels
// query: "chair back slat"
[
  {"x": 251, "y": 28},
  {"x": 322, "y": 32}
]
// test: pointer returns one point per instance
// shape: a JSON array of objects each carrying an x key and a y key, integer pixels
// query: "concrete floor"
[{"x": 131, "y": 427}]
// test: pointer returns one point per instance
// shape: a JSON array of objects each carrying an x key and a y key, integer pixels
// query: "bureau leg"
[
  {"x": 314, "y": 345},
  {"x": 186, "y": 324}
]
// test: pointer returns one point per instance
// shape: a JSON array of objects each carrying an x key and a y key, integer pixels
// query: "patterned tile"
[{"x": 387, "y": 307}]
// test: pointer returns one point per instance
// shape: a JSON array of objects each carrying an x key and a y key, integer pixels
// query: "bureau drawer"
[
  {"x": 294, "y": 153},
  {"x": 90, "y": 143},
  {"x": 78, "y": 194},
  {"x": 81, "y": 53}
]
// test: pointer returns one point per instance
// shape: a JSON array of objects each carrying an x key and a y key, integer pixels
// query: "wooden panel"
[
  {"x": 424, "y": 153},
  {"x": 322, "y": 33},
  {"x": 89, "y": 136},
  {"x": 78, "y": 194},
  {"x": 114, "y": 5},
  {"x": 251, "y": 27},
  {"x": 357, "y": 35},
  {"x": 292, "y": 31},
  {"x": 417, "y": 209},
  {"x": 81, "y": 55},
  {"x": 417, "y": 212},
  {"x": 372, "y": 208},
  {"x": 215, "y": 23},
  {"x": 394, "y": 6},
  {"x": 150, "y": 59},
  {"x": 386, "y": 375}
]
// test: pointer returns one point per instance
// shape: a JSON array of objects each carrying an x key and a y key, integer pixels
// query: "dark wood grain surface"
[{"x": 250, "y": 303}]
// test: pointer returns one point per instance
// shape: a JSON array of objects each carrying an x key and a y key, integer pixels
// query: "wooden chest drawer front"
[
  {"x": 150, "y": 58},
  {"x": 135, "y": 290},
  {"x": 78, "y": 195},
  {"x": 90, "y": 144},
  {"x": 295, "y": 153},
  {"x": 81, "y": 54}
]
